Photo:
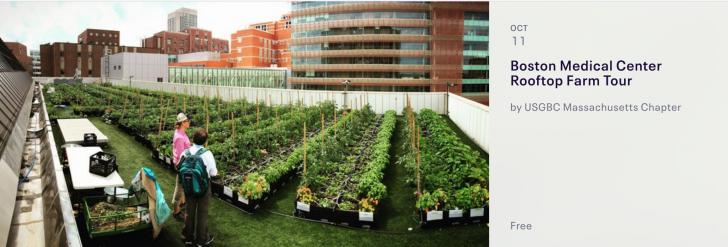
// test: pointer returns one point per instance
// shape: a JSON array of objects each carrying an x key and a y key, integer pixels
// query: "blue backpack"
[{"x": 193, "y": 174}]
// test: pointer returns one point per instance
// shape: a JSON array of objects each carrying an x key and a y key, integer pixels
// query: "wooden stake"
[
  {"x": 334, "y": 122},
  {"x": 184, "y": 104},
  {"x": 162, "y": 114},
  {"x": 323, "y": 128},
  {"x": 207, "y": 116},
  {"x": 141, "y": 108},
  {"x": 304, "y": 148},
  {"x": 419, "y": 191},
  {"x": 123, "y": 113},
  {"x": 232, "y": 119}
]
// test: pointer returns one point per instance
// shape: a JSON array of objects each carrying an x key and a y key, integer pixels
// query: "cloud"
[{"x": 36, "y": 23}]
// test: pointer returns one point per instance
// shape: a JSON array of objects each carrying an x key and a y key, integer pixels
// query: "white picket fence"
[{"x": 470, "y": 116}]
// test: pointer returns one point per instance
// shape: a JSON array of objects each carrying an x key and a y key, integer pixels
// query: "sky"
[{"x": 36, "y": 23}]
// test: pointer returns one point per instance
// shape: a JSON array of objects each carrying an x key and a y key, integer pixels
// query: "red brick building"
[
  {"x": 63, "y": 59},
  {"x": 21, "y": 53},
  {"x": 99, "y": 37},
  {"x": 188, "y": 41},
  {"x": 261, "y": 45}
]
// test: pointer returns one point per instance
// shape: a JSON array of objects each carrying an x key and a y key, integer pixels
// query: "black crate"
[
  {"x": 89, "y": 139},
  {"x": 102, "y": 164}
]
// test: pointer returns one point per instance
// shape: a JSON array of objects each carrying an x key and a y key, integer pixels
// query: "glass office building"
[{"x": 391, "y": 46}]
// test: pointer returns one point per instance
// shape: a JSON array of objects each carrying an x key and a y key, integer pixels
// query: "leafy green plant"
[
  {"x": 453, "y": 175},
  {"x": 254, "y": 186}
]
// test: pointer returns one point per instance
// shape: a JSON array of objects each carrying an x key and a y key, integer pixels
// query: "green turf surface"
[{"x": 274, "y": 225}]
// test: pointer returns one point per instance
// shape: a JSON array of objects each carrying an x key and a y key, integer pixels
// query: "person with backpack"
[
  {"x": 180, "y": 142},
  {"x": 196, "y": 168}
]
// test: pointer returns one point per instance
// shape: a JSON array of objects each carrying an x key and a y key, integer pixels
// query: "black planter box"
[
  {"x": 478, "y": 219},
  {"x": 155, "y": 154},
  {"x": 216, "y": 187},
  {"x": 444, "y": 218},
  {"x": 102, "y": 164},
  {"x": 335, "y": 216},
  {"x": 125, "y": 128},
  {"x": 164, "y": 161},
  {"x": 141, "y": 139},
  {"x": 168, "y": 162}
]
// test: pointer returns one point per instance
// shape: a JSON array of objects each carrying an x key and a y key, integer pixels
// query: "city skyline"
[{"x": 36, "y": 23}]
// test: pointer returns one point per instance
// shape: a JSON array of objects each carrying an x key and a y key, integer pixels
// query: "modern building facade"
[
  {"x": 21, "y": 53},
  {"x": 391, "y": 46},
  {"x": 67, "y": 59},
  {"x": 134, "y": 66},
  {"x": 35, "y": 62},
  {"x": 261, "y": 45},
  {"x": 181, "y": 19},
  {"x": 239, "y": 77},
  {"x": 189, "y": 40},
  {"x": 99, "y": 37}
]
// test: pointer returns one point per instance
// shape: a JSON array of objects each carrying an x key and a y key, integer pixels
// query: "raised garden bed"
[
  {"x": 450, "y": 177},
  {"x": 342, "y": 183}
]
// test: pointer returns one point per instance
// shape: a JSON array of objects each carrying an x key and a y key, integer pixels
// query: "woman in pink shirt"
[{"x": 180, "y": 142}]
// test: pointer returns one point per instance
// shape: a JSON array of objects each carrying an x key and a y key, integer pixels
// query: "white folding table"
[
  {"x": 74, "y": 129},
  {"x": 82, "y": 179}
]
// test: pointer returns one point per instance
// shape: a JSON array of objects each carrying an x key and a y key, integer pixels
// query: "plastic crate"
[
  {"x": 102, "y": 164},
  {"x": 89, "y": 139}
]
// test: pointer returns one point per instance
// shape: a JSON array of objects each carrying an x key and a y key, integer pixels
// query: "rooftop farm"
[{"x": 341, "y": 164}]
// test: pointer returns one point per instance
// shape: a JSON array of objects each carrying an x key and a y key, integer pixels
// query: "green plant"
[
  {"x": 432, "y": 201},
  {"x": 254, "y": 186}
]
